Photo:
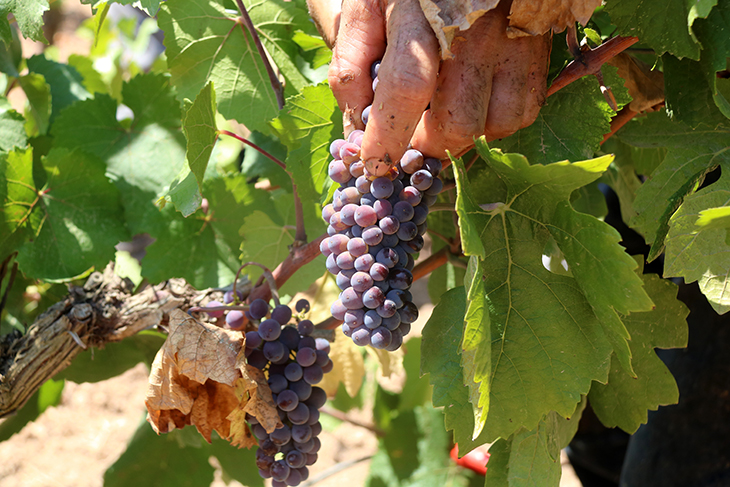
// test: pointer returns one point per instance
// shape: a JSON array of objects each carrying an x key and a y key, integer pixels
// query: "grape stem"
[
  {"x": 273, "y": 78},
  {"x": 590, "y": 61},
  {"x": 256, "y": 147},
  {"x": 273, "y": 286}
]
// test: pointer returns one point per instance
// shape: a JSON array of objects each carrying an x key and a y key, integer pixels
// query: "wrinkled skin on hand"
[{"x": 493, "y": 86}]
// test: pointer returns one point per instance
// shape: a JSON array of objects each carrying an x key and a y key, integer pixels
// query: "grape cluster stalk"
[
  {"x": 293, "y": 362},
  {"x": 376, "y": 227}
]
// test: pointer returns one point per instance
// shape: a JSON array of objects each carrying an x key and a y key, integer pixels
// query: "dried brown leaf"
[
  {"x": 447, "y": 17},
  {"x": 192, "y": 377},
  {"x": 348, "y": 366},
  {"x": 646, "y": 86},
  {"x": 536, "y": 17}
]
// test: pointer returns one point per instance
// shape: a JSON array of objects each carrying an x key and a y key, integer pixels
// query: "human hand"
[{"x": 493, "y": 86}]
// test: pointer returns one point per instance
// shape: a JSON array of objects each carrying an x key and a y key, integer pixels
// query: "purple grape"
[
  {"x": 337, "y": 244},
  {"x": 382, "y": 208},
  {"x": 410, "y": 264},
  {"x": 403, "y": 211},
  {"x": 351, "y": 298},
  {"x": 379, "y": 272},
  {"x": 365, "y": 216},
  {"x": 389, "y": 225},
  {"x": 337, "y": 223},
  {"x": 363, "y": 184},
  {"x": 349, "y": 195},
  {"x": 374, "y": 68},
  {"x": 435, "y": 188},
  {"x": 257, "y": 359},
  {"x": 366, "y": 114},
  {"x": 313, "y": 374},
  {"x": 361, "y": 336},
  {"x": 317, "y": 399},
  {"x": 322, "y": 345},
  {"x": 411, "y": 161},
  {"x": 387, "y": 257},
  {"x": 354, "y": 317},
  {"x": 347, "y": 214},
  {"x": 282, "y": 314},
  {"x": 349, "y": 153},
  {"x": 235, "y": 319},
  {"x": 263, "y": 461},
  {"x": 404, "y": 328},
  {"x": 372, "y": 235},
  {"x": 408, "y": 313},
  {"x": 357, "y": 247},
  {"x": 376, "y": 81},
  {"x": 324, "y": 248},
  {"x": 420, "y": 213},
  {"x": 259, "y": 432},
  {"x": 390, "y": 241},
  {"x": 274, "y": 351},
  {"x": 281, "y": 436},
  {"x": 354, "y": 135},
  {"x": 338, "y": 171},
  {"x": 277, "y": 383},
  {"x": 307, "y": 342},
  {"x": 327, "y": 212},
  {"x": 430, "y": 199},
  {"x": 364, "y": 263},
  {"x": 301, "y": 388},
  {"x": 265, "y": 473},
  {"x": 397, "y": 296},
  {"x": 379, "y": 338},
  {"x": 393, "y": 322},
  {"x": 314, "y": 421},
  {"x": 280, "y": 471},
  {"x": 228, "y": 296},
  {"x": 295, "y": 458},
  {"x": 299, "y": 415},
  {"x": 304, "y": 472},
  {"x": 372, "y": 319},
  {"x": 343, "y": 278},
  {"x": 337, "y": 310},
  {"x": 306, "y": 356},
  {"x": 269, "y": 330},
  {"x": 387, "y": 309},
  {"x": 382, "y": 285},
  {"x": 411, "y": 195},
  {"x": 336, "y": 203},
  {"x": 253, "y": 339},
  {"x": 382, "y": 188},
  {"x": 373, "y": 297},
  {"x": 331, "y": 230},
  {"x": 287, "y": 400},
  {"x": 414, "y": 245},
  {"x": 335, "y": 147},
  {"x": 331, "y": 264},
  {"x": 356, "y": 231},
  {"x": 361, "y": 282},
  {"x": 422, "y": 180},
  {"x": 345, "y": 261},
  {"x": 400, "y": 279},
  {"x": 301, "y": 432},
  {"x": 433, "y": 165},
  {"x": 293, "y": 372},
  {"x": 396, "y": 341},
  {"x": 407, "y": 231},
  {"x": 327, "y": 368},
  {"x": 322, "y": 358},
  {"x": 357, "y": 169}
]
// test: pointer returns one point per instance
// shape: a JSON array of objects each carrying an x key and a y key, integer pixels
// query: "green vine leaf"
[
  {"x": 38, "y": 93},
  {"x": 307, "y": 125},
  {"x": 663, "y": 327},
  {"x": 12, "y": 127},
  {"x": 691, "y": 154},
  {"x": 67, "y": 85},
  {"x": 714, "y": 33},
  {"x": 21, "y": 217},
  {"x": 82, "y": 219},
  {"x": 697, "y": 247},
  {"x": 29, "y": 16},
  {"x": 529, "y": 304}
]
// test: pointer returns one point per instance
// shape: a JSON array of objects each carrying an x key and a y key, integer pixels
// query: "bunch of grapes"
[
  {"x": 376, "y": 226},
  {"x": 294, "y": 362}
]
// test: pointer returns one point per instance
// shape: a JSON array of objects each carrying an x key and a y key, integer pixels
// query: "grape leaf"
[
  {"x": 38, "y": 93},
  {"x": 714, "y": 218},
  {"x": 349, "y": 368},
  {"x": 714, "y": 34},
  {"x": 83, "y": 218},
  {"x": 142, "y": 158},
  {"x": 66, "y": 83},
  {"x": 440, "y": 350},
  {"x": 307, "y": 125},
  {"x": 200, "y": 132},
  {"x": 532, "y": 458},
  {"x": 205, "y": 42},
  {"x": 701, "y": 253},
  {"x": 664, "y": 26},
  {"x": 163, "y": 461},
  {"x": 21, "y": 216},
  {"x": 691, "y": 154},
  {"x": 624, "y": 401},
  {"x": 29, "y": 16},
  {"x": 208, "y": 244},
  {"x": 12, "y": 127},
  {"x": 688, "y": 96},
  {"x": 11, "y": 54},
  {"x": 572, "y": 123},
  {"x": 268, "y": 233},
  {"x": 528, "y": 304},
  {"x": 621, "y": 177}
]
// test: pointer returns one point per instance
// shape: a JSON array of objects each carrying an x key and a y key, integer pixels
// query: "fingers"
[
  {"x": 519, "y": 87},
  {"x": 460, "y": 104},
  {"x": 326, "y": 16},
  {"x": 360, "y": 42},
  {"x": 406, "y": 83}
]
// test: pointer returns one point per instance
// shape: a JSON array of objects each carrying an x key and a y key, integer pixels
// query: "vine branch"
[
  {"x": 248, "y": 24},
  {"x": 255, "y": 147}
]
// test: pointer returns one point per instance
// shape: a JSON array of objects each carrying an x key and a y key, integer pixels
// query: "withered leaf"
[
  {"x": 646, "y": 86},
  {"x": 448, "y": 17},
  {"x": 192, "y": 376},
  {"x": 349, "y": 367},
  {"x": 536, "y": 17}
]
